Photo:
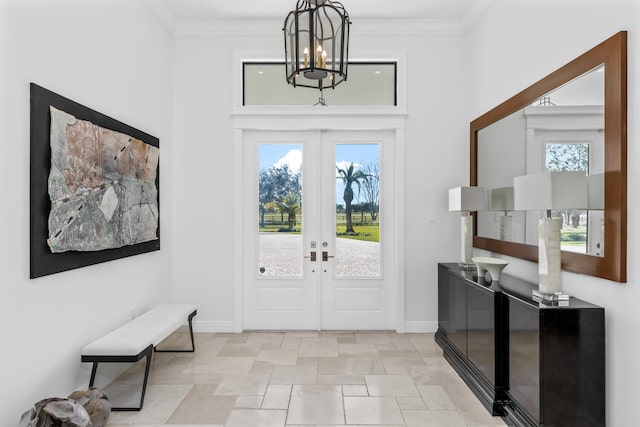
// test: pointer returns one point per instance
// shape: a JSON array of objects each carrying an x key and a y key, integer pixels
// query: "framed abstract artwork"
[{"x": 94, "y": 190}]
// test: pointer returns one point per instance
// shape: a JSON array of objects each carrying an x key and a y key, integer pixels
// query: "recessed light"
[
  {"x": 260, "y": 72},
  {"x": 378, "y": 72}
]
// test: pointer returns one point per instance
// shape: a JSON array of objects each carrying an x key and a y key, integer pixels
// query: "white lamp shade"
[
  {"x": 501, "y": 199},
  {"x": 595, "y": 191},
  {"x": 467, "y": 199},
  {"x": 550, "y": 190}
]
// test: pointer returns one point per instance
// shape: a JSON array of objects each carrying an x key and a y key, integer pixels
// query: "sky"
[{"x": 291, "y": 155}]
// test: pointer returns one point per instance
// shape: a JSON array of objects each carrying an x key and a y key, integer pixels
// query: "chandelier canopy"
[{"x": 316, "y": 44}]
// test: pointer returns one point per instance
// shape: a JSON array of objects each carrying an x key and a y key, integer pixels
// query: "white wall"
[
  {"x": 542, "y": 36},
  {"x": 112, "y": 56},
  {"x": 436, "y": 159}
]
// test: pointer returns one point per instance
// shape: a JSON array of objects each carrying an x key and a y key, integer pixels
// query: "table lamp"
[
  {"x": 550, "y": 191},
  {"x": 465, "y": 200},
  {"x": 501, "y": 200}
]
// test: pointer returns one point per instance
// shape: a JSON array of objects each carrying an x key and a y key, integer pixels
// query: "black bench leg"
[
  {"x": 147, "y": 352},
  {"x": 193, "y": 344}
]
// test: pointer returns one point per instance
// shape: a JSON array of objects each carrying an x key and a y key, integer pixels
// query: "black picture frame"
[{"x": 42, "y": 261}]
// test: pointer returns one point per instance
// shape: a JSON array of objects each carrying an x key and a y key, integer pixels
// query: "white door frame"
[{"x": 329, "y": 119}]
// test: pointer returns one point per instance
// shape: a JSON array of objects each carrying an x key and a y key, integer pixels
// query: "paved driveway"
[{"x": 280, "y": 256}]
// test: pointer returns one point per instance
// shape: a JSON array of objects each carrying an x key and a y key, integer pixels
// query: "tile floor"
[{"x": 321, "y": 379}]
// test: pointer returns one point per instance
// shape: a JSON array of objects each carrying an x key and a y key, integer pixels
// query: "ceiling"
[{"x": 227, "y": 10}]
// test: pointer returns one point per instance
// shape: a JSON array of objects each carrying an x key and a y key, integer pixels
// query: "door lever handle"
[
  {"x": 312, "y": 256},
  {"x": 326, "y": 256}
]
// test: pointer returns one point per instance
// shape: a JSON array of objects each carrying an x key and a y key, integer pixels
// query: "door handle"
[
  {"x": 326, "y": 256},
  {"x": 312, "y": 256}
]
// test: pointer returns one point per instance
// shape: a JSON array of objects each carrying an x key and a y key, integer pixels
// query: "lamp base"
[
  {"x": 557, "y": 296},
  {"x": 467, "y": 267}
]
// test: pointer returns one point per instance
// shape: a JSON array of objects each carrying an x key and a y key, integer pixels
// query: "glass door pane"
[
  {"x": 358, "y": 212},
  {"x": 280, "y": 219}
]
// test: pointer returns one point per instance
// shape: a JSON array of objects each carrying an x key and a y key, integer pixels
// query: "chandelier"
[{"x": 316, "y": 44}]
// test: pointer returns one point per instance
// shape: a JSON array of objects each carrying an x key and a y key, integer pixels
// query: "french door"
[{"x": 318, "y": 230}]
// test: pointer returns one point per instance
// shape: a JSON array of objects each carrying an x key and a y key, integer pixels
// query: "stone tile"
[
  {"x": 308, "y": 361},
  {"x": 290, "y": 343},
  {"x": 200, "y": 407},
  {"x": 337, "y": 334},
  {"x": 242, "y": 385},
  {"x": 235, "y": 338},
  {"x": 265, "y": 338},
  {"x": 341, "y": 379},
  {"x": 322, "y": 379},
  {"x": 397, "y": 370},
  {"x": 367, "y": 351},
  {"x": 372, "y": 410},
  {"x": 278, "y": 357},
  {"x": 435, "y": 397},
  {"x": 403, "y": 342},
  {"x": 249, "y": 402},
  {"x": 469, "y": 407},
  {"x": 373, "y": 338},
  {"x": 355, "y": 390},
  {"x": 239, "y": 350},
  {"x": 256, "y": 418},
  {"x": 387, "y": 347},
  {"x": 159, "y": 403},
  {"x": 350, "y": 365},
  {"x": 434, "y": 375},
  {"x": 299, "y": 334},
  {"x": 318, "y": 347},
  {"x": 392, "y": 354},
  {"x": 219, "y": 365},
  {"x": 422, "y": 418},
  {"x": 294, "y": 375},
  {"x": 391, "y": 385},
  {"x": 277, "y": 397},
  {"x": 177, "y": 340},
  {"x": 316, "y": 404},
  {"x": 403, "y": 361},
  {"x": 206, "y": 347},
  {"x": 263, "y": 368},
  {"x": 410, "y": 403}
]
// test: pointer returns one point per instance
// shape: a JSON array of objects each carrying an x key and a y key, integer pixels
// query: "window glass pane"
[
  {"x": 575, "y": 222},
  {"x": 358, "y": 210},
  {"x": 367, "y": 84},
  {"x": 280, "y": 210}
]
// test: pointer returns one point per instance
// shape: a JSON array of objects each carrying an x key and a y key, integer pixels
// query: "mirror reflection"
[{"x": 561, "y": 131}]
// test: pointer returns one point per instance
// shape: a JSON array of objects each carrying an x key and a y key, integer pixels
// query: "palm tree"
[
  {"x": 290, "y": 205},
  {"x": 349, "y": 176}
]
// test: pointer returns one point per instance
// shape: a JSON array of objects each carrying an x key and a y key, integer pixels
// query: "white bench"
[{"x": 138, "y": 338}]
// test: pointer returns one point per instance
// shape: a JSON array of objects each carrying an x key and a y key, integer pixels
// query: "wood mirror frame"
[{"x": 613, "y": 54}]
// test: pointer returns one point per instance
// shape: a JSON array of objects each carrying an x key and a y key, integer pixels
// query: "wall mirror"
[{"x": 573, "y": 119}]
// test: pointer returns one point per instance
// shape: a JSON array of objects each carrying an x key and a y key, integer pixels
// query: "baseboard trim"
[
  {"x": 410, "y": 327},
  {"x": 213, "y": 326},
  {"x": 420, "y": 327}
]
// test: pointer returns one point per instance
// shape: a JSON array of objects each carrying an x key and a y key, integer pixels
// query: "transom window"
[{"x": 368, "y": 83}]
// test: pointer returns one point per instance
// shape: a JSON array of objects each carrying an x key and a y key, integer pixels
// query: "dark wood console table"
[{"x": 531, "y": 363}]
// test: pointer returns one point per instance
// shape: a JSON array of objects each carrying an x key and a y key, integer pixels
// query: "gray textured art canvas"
[{"x": 101, "y": 185}]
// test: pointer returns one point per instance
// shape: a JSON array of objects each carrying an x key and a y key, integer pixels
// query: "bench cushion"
[{"x": 149, "y": 328}]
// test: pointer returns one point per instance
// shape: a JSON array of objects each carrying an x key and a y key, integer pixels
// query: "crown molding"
[{"x": 387, "y": 28}]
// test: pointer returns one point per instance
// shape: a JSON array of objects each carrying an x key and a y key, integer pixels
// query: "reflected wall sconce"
[{"x": 466, "y": 200}]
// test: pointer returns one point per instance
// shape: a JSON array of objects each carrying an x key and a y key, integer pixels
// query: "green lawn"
[
  {"x": 368, "y": 233},
  {"x": 373, "y": 232}
]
